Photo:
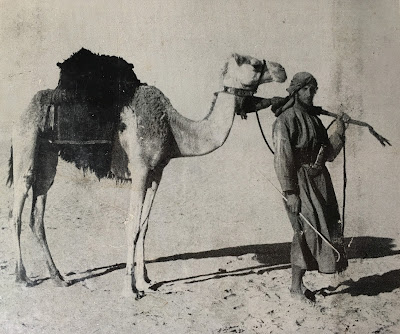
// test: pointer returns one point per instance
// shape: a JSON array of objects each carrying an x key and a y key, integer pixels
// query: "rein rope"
[
  {"x": 264, "y": 66},
  {"x": 344, "y": 185},
  {"x": 263, "y": 135}
]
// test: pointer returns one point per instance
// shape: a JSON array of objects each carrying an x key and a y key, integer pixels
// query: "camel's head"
[{"x": 247, "y": 72}]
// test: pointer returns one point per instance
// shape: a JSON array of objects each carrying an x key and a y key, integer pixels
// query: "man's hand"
[
  {"x": 243, "y": 115},
  {"x": 254, "y": 103},
  {"x": 278, "y": 101},
  {"x": 345, "y": 118},
  {"x": 342, "y": 123},
  {"x": 293, "y": 203},
  {"x": 248, "y": 106},
  {"x": 262, "y": 103}
]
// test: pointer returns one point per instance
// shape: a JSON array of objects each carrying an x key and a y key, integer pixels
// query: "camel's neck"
[{"x": 195, "y": 138}]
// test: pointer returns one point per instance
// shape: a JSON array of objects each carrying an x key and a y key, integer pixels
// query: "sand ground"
[{"x": 218, "y": 244}]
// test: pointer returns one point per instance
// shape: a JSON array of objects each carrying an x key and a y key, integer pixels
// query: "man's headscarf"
[{"x": 301, "y": 80}]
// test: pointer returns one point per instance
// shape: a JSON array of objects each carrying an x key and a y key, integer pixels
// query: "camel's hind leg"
[
  {"x": 23, "y": 157},
  {"x": 46, "y": 164},
  {"x": 142, "y": 281},
  {"x": 20, "y": 195}
]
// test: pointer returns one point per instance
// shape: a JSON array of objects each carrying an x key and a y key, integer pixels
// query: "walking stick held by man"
[{"x": 280, "y": 104}]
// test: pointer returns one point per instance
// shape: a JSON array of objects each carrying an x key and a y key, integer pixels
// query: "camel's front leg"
[
  {"x": 138, "y": 189},
  {"x": 143, "y": 283}
]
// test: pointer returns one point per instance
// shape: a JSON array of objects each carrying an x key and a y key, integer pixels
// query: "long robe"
[{"x": 298, "y": 134}]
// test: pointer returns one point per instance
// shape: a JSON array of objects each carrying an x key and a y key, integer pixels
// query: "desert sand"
[{"x": 217, "y": 248}]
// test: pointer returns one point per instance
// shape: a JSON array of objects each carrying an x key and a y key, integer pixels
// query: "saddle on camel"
[{"x": 83, "y": 112}]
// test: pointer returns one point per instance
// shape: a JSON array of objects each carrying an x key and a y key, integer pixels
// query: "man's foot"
[
  {"x": 298, "y": 290},
  {"x": 306, "y": 297}
]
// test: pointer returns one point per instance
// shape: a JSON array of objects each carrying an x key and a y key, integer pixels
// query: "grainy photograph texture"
[{"x": 199, "y": 166}]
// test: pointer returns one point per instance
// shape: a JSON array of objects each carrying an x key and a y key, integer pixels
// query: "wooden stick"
[
  {"x": 309, "y": 224},
  {"x": 380, "y": 138}
]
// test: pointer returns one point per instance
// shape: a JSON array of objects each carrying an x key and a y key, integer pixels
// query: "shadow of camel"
[
  {"x": 270, "y": 256},
  {"x": 96, "y": 272}
]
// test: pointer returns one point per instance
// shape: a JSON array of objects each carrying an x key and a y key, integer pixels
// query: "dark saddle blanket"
[
  {"x": 78, "y": 123},
  {"x": 92, "y": 90}
]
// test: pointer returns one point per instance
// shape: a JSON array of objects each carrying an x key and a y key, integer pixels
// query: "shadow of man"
[{"x": 367, "y": 286}]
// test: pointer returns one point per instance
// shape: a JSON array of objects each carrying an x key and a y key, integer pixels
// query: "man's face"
[{"x": 306, "y": 94}]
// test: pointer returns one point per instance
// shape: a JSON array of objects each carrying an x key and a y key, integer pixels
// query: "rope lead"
[{"x": 262, "y": 133}]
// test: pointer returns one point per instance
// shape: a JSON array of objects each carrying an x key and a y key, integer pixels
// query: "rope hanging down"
[{"x": 262, "y": 133}]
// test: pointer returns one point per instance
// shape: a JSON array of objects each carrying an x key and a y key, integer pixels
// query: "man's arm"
[
  {"x": 285, "y": 166},
  {"x": 254, "y": 103},
  {"x": 337, "y": 139}
]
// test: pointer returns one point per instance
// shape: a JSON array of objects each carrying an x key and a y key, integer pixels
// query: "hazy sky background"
[
  {"x": 351, "y": 46},
  {"x": 180, "y": 45}
]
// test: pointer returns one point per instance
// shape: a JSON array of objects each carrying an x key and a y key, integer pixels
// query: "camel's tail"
[{"x": 10, "y": 178}]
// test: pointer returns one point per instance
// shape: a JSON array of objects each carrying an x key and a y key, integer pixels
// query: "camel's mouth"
[{"x": 277, "y": 72}]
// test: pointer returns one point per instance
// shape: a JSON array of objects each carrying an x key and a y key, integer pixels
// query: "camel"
[{"x": 151, "y": 133}]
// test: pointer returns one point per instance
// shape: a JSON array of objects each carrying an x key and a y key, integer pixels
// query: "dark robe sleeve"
[
  {"x": 284, "y": 159},
  {"x": 336, "y": 142}
]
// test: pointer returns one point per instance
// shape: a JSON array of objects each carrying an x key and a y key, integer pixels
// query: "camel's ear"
[{"x": 238, "y": 58}]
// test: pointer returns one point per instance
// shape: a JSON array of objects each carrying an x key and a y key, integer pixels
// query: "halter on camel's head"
[{"x": 243, "y": 74}]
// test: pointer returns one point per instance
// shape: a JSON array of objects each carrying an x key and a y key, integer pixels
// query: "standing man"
[{"x": 301, "y": 148}]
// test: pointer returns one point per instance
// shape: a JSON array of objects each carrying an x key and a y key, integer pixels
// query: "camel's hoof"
[
  {"x": 128, "y": 292},
  {"x": 140, "y": 295},
  {"x": 59, "y": 281},
  {"x": 24, "y": 281},
  {"x": 145, "y": 287},
  {"x": 21, "y": 277}
]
